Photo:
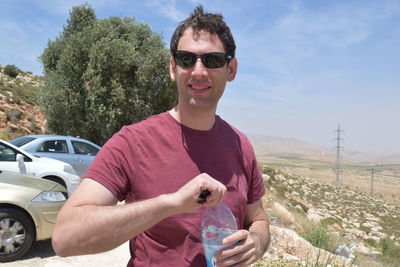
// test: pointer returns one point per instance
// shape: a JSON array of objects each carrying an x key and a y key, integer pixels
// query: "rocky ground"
[{"x": 360, "y": 223}]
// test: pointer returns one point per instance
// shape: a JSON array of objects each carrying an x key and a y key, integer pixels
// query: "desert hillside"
[
  {"x": 378, "y": 177},
  {"x": 358, "y": 229},
  {"x": 20, "y": 113}
]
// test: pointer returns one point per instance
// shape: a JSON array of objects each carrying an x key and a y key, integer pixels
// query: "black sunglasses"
[{"x": 211, "y": 60}]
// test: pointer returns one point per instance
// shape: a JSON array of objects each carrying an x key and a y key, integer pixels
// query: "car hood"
[{"x": 18, "y": 179}]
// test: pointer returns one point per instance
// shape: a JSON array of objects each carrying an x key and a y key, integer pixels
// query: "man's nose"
[{"x": 198, "y": 69}]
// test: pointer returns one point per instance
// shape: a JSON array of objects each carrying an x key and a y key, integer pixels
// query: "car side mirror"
[{"x": 20, "y": 160}]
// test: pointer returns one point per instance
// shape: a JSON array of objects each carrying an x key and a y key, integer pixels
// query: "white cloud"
[{"x": 168, "y": 8}]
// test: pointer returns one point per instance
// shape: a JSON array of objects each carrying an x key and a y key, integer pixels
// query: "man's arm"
[
  {"x": 90, "y": 222},
  {"x": 258, "y": 227},
  {"x": 251, "y": 243}
]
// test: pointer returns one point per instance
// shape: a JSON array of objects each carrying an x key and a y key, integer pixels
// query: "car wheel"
[
  {"x": 16, "y": 234},
  {"x": 56, "y": 179}
]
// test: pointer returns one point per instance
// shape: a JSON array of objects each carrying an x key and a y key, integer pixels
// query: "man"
[{"x": 161, "y": 165}]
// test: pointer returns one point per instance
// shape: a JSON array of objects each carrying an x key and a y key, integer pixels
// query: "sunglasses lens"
[
  {"x": 185, "y": 59},
  {"x": 214, "y": 60}
]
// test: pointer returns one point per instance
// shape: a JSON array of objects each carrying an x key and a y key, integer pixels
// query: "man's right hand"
[{"x": 186, "y": 198}]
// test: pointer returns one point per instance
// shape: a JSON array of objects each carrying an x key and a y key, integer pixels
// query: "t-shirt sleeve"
[{"x": 108, "y": 167}]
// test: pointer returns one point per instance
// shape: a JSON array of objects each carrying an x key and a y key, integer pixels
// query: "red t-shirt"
[{"x": 158, "y": 156}]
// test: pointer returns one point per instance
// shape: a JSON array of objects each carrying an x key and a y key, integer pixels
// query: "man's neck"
[{"x": 199, "y": 119}]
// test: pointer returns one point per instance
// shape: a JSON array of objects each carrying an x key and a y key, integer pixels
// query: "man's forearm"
[
  {"x": 261, "y": 235},
  {"x": 91, "y": 229}
]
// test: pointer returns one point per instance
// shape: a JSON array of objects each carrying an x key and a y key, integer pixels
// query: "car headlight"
[
  {"x": 69, "y": 169},
  {"x": 50, "y": 197}
]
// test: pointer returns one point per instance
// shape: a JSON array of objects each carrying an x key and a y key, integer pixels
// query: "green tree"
[
  {"x": 11, "y": 70},
  {"x": 102, "y": 74}
]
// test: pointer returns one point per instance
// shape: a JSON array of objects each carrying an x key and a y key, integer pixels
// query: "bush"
[
  {"x": 390, "y": 252},
  {"x": 13, "y": 115},
  {"x": 268, "y": 170},
  {"x": 11, "y": 70},
  {"x": 318, "y": 236}
]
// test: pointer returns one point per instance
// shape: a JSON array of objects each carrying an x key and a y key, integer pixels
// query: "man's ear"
[
  {"x": 172, "y": 68},
  {"x": 232, "y": 69}
]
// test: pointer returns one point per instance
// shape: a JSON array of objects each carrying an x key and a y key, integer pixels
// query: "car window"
[
  {"x": 23, "y": 140},
  {"x": 82, "y": 148},
  {"x": 53, "y": 146},
  {"x": 8, "y": 153}
]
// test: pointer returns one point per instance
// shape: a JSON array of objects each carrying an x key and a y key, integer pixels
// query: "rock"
[
  {"x": 358, "y": 233},
  {"x": 378, "y": 234},
  {"x": 288, "y": 245},
  {"x": 361, "y": 248},
  {"x": 313, "y": 215},
  {"x": 344, "y": 251},
  {"x": 336, "y": 226},
  {"x": 369, "y": 224},
  {"x": 283, "y": 215},
  {"x": 376, "y": 228},
  {"x": 266, "y": 177}
]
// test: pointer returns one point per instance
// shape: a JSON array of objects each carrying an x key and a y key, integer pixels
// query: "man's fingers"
[{"x": 237, "y": 236}]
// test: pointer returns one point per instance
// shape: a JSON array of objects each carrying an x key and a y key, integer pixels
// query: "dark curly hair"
[{"x": 212, "y": 23}]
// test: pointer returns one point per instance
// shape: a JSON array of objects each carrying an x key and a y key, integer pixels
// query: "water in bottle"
[{"x": 218, "y": 222}]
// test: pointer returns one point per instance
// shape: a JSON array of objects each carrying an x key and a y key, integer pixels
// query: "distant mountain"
[{"x": 267, "y": 147}]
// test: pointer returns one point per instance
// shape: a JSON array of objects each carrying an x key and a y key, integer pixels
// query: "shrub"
[
  {"x": 268, "y": 170},
  {"x": 318, "y": 236},
  {"x": 331, "y": 221},
  {"x": 13, "y": 115},
  {"x": 390, "y": 252},
  {"x": 11, "y": 70},
  {"x": 371, "y": 242}
]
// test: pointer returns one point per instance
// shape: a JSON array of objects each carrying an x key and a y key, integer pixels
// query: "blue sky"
[{"x": 304, "y": 66}]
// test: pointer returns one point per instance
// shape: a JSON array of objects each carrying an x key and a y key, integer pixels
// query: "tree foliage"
[
  {"x": 103, "y": 74},
  {"x": 11, "y": 70}
]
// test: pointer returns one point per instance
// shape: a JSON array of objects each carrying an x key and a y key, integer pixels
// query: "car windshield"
[{"x": 20, "y": 141}]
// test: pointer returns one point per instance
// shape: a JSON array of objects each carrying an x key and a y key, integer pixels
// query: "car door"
[
  {"x": 8, "y": 160},
  {"x": 84, "y": 155},
  {"x": 55, "y": 149}
]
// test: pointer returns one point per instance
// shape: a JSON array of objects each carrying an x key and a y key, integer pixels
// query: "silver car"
[{"x": 76, "y": 151}]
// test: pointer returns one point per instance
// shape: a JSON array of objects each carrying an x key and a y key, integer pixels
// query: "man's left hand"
[{"x": 242, "y": 253}]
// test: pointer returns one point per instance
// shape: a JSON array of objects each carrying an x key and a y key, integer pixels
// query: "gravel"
[{"x": 42, "y": 254}]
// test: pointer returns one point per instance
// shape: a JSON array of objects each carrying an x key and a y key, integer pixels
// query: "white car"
[{"x": 16, "y": 160}]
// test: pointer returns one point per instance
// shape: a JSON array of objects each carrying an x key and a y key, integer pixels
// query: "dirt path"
[{"x": 42, "y": 255}]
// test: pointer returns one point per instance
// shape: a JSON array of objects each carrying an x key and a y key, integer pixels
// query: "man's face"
[{"x": 200, "y": 87}]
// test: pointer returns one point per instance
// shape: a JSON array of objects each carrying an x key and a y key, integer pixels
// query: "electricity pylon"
[{"x": 338, "y": 148}]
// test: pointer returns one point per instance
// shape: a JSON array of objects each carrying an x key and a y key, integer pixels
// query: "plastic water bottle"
[{"x": 218, "y": 222}]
